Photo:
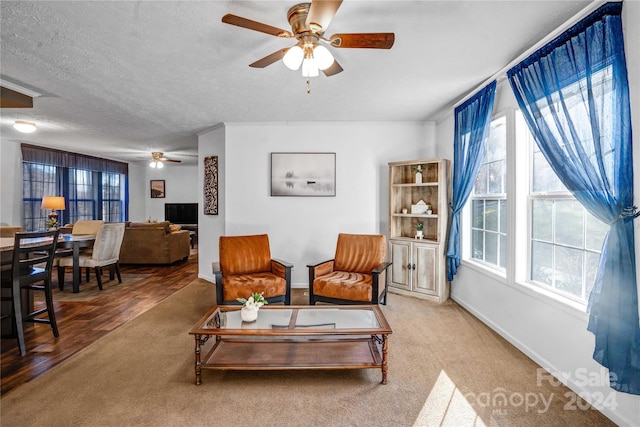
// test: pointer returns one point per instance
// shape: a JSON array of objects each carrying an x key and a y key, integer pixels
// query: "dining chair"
[
  {"x": 106, "y": 253},
  {"x": 353, "y": 275},
  {"x": 32, "y": 260}
]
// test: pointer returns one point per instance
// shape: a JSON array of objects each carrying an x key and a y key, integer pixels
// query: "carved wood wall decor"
[{"x": 211, "y": 185}]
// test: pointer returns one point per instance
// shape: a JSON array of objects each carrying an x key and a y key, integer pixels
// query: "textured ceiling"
[{"x": 121, "y": 79}]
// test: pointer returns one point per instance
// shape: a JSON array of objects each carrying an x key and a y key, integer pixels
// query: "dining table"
[{"x": 75, "y": 242}]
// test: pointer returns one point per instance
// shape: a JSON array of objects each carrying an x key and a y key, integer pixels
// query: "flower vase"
[
  {"x": 419, "y": 235},
  {"x": 249, "y": 314},
  {"x": 418, "y": 178}
]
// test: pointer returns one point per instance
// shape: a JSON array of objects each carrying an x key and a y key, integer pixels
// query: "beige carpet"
[
  {"x": 443, "y": 365},
  {"x": 89, "y": 290}
]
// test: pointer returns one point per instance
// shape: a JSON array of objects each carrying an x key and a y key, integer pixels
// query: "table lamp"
[{"x": 54, "y": 203}]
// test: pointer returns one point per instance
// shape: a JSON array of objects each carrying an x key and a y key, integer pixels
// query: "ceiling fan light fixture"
[
  {"x": 323, "y": 57},
  {"x": 24, "y": 127},
  {"x": 160, "y": 165},
  {"x": 153, "y": 164},
  {"x": 293, "y": 58},
  {"x": 309, "y": 68}
]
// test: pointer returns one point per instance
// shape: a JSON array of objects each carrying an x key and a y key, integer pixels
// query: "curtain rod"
[{"x": 501, "y": 74}]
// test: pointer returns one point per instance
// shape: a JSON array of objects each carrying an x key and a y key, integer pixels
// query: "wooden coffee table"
[{"x": 294, "y": 337}]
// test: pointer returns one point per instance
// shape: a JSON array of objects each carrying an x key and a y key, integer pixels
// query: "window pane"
[
  {"x": 477, "y": 243},
  {"x": 496, "y": 177},
  {"x": 503, "y": 251},
  {"x": 591, "y": 268},
  {"x": 478, "y": 214},
  {"x": 569, "y": 270},
  {"x": 545, "y": 179},
  {"x": 542, "y": 262},
  {"x": 491, "y": 215},
  {"x": 596, "y": 232},
  {"x": 481, "y": 181},
  {"x": 503, "y": 216},
  {"x": 491, "y": 248},
  {"x": 542, "y": 220},
  {"x": 569, "y": 227}
]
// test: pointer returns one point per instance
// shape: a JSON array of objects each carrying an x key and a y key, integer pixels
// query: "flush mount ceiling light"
[
  {"x": 24, "y": 127},
  {"x": 308, "y": 23}
]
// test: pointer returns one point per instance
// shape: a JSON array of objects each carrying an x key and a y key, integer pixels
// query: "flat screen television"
[{"x": 181, "y": 213}]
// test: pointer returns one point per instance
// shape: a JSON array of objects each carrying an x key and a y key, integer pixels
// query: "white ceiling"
[{"x": 120, "y": 79}]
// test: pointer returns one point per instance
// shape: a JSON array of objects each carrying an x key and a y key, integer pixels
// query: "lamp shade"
[{"x": 53, "y": 202}]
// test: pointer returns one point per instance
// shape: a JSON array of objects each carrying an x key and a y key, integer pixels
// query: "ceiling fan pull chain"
[{"x": 308, "y": 86}]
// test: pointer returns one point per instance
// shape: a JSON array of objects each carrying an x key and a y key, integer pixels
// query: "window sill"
[
  {"x": 559, "y": 302},
  {"x": 567, "y": 305}
]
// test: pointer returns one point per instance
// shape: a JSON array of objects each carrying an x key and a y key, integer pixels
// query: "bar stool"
[{"x": 33, "y": 254}]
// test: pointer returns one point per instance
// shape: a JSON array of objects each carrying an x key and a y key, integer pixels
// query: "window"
[
  {"x": 565, "y": 239},
  {"x": 93, "y": 188},
  {"x": 557, "y": 241},
  {"x": 489, "y": 200}
]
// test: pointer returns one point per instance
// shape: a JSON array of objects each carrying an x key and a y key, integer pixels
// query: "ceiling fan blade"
[
  {"x": 335, "y": 68},
  {"x": 270, "y": 59},
  {"x": 239, "y": 21},
  {"x": 171, "y": 160},
  {"x": 363, "y": 40},
  {"x": 321, "y": 13}
]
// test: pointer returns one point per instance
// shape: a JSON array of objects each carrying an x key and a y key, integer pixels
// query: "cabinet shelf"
[{"x": 424, "y": 184}]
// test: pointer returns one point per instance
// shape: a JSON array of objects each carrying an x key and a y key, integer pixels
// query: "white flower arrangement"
[{"x": 255, "y": 301}]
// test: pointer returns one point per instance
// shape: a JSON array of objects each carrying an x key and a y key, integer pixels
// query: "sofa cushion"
[{"x": 166, "y": 225}]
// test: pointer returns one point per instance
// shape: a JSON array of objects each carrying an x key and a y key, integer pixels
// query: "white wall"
[
  {"x": 10, "y": 182},
  {"x": 181, "y": 186},
  {"x": 303, "y": 230},
  {"x": 210, "y": 227},
  {"x": 552, "y": 334}
]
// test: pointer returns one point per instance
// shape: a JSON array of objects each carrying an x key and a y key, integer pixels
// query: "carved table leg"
[
  {"x": 198, "y": 361},
  {"x": 384, "y": 366}
]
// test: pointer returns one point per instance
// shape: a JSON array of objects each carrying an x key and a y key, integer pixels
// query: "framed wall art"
[
  {"x": 157, "y": 189},
  {"x": 211, "y": 185},
  {"x": 303, "y": 174}
]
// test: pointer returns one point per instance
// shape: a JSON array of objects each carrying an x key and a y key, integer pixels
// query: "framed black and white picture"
[{"x": 303, "y": 174}]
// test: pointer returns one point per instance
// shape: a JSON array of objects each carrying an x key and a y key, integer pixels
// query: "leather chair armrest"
[
  {"x": 381, "y": 267},
  {"x": 283, "y": 269},
  {"x": 217, "y": 272},
  {"x": 215, "y": 266},
  {"x": 378, "y": 297},
  {"x": 319, "y": 269}
]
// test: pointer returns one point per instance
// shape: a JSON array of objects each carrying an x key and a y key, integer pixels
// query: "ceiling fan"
[
  {"x": 159, "y": 159},
  {"x": 309, "y": 22}
]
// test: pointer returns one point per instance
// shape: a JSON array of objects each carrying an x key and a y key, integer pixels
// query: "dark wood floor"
[{"x": 82, "y": 323}]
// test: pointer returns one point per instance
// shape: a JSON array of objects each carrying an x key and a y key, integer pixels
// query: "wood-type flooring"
[{"x": 82, "y": 323}]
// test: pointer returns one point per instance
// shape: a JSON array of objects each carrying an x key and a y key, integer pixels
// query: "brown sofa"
[{"x": 153, "y": 243}]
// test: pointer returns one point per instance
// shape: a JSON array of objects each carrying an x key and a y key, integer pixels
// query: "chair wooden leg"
[
  {"x": 50, "y": 310},
  {"x": 61, "y": 278},
  {"x": 17, "y": 316},
  {"x": 98, "y": 271},
  {"x": 117, "y": 265},
  {"x": 111, "y": 272},
  {"x": 87, "y": 271}
]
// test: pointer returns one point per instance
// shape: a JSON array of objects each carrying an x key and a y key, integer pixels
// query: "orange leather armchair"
[
  {"x": 353, "y": 276},
  {"x": 246, "y": 267}
]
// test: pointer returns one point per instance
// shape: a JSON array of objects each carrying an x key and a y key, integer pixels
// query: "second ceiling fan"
[{"x": 309, "y": 22}]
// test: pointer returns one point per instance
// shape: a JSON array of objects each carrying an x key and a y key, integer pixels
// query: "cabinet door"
[
  {"x": 425, "y": 273},
  {"x": 401, "y": 267}
]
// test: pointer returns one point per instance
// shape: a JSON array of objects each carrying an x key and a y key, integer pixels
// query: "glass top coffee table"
[{"x": 294, "y": 337}]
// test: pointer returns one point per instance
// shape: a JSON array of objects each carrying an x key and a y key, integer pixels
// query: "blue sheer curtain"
[
  {"x": 574, "y": 96},
  {"x": 472, "y": 120}
]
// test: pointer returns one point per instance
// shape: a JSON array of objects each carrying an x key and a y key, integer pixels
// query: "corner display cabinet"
[{"x": 419, "y": 267}]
